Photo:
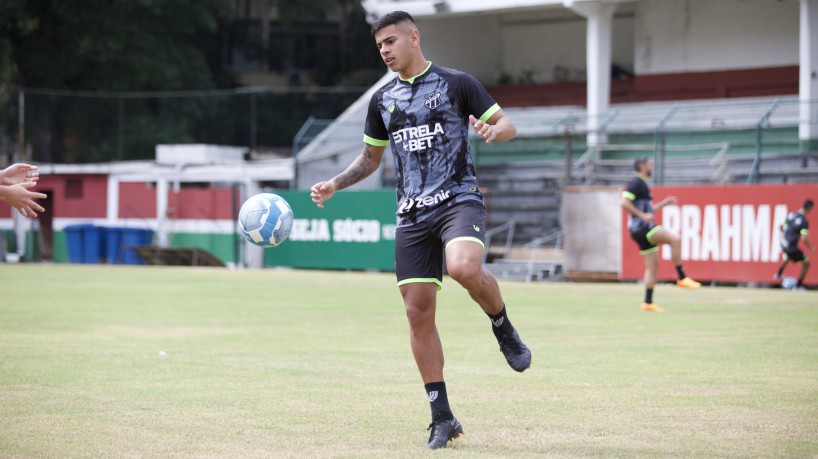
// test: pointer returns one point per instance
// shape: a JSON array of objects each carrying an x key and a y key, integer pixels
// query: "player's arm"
[
  {"x": 497, "y": 127},
  {"x": 665, "y": 202},
  {"x": 805, "y": 240},
  {"x": 362, "y": 167},
  {"x": 627, "y": 203}
]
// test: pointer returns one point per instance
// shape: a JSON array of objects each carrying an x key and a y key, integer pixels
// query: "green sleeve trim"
[
  {"x": 375, "y": 142},
  {"x": 650, "y": 234},
  {"x": 629, "y": 195},
  {"x": 804, "y": 231},
  {"x": 466, "y": 238},
  {"x": 422, "y": 280},
  {"x": 491, "y": 111}
]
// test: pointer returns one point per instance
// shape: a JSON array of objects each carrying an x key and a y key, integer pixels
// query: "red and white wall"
[{"x": 728, "y": 233}]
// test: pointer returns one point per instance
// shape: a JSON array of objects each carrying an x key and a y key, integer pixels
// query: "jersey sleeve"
[
  {"x": 805, "y": 227},
  {"x": 632, "y": 190},
  {"x": 477, "y": 100},
  {"x": 375, "y": 133}
]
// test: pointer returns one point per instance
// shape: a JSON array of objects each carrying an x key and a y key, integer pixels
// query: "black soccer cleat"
[
  {"x": 443, "y": 432},
  {"x": 516, "y": 352}
]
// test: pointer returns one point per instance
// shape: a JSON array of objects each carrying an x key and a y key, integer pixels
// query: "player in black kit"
[
  {"x": 794, "y": 230},
  {"x": 638, "y": 202},
  {"x": 426, "y": 115}
]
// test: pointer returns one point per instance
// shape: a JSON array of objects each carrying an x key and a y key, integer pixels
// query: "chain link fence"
[{"x": 86, "y": 127}]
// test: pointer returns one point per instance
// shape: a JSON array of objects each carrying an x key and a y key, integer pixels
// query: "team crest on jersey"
[{"x": 432, "y": 100}]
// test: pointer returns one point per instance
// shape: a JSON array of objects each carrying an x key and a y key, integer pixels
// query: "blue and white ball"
[
  {"x": 789, "y": 283},
  {"x": 266, "y": 219}
]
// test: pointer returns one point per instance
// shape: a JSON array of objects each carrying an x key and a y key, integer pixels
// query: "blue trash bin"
[
  {"x": 134, "y": 237},
  {"x": 75, "y": 242},
  {"x": 113, "y": 244},
  {"x": 93, "y": 244}
]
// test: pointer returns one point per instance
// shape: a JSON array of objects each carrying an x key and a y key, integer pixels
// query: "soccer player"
[
  {"x": 795, "y": 229},
  {"x": 637, "y": 201},
  {"x": 15, "y": 183},
  {"x": 425, "y": 114}
]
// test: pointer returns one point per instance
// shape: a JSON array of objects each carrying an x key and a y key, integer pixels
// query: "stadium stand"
[{"x": 739, "y": 140}]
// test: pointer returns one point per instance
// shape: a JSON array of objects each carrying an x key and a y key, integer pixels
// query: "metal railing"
[
  {"x": 539, "y": 268},
  {"x": 717, "y": 170},
  {"x": 509, "y": 228}
]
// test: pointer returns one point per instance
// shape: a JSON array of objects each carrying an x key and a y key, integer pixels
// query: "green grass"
[{"x": 317, "y": 364}]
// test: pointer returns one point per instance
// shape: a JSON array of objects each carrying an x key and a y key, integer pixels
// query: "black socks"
[
  {"x": 680, "y": 272},
  {"x": 500, "y": 324},
  {"x": 436, "y": 391},
  {"x": 649, "y": 295}
]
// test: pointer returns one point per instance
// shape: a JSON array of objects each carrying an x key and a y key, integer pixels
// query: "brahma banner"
[{"x": 728, "y": 233}]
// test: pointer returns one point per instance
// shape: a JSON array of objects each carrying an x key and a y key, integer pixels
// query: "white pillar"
[
  {"x": 112, "y": 206},
  {"x": 162, "y": 189},
  {"x": 21, "y": 227},
  {"x": 598, "y": 35},
  {"x": 808, "y": 76},
  {"x": 253, "y": 254}
]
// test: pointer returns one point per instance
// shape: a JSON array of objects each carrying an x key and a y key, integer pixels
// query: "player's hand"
[
  {"x": 669, "y": 201},
  {"x": 19, "y": 197},
  {"x": 19, "y": 173},
  {"x": 484, "y": 130},
  {"x": 322, "y": 191},
  {"x": 647, "y": 217}
]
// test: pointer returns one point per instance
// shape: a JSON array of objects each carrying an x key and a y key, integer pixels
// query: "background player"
[
  {"x": 637, "y": 201},
  {"x": 796, "y": 229},
  {"x": 426, "y": 113},
  {"x": 16, "y": 182}
]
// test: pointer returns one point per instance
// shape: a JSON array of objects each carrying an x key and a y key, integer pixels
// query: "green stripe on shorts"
[
  {"x": 466, "y": 238},
  {"x": 421, "y": 280},
  {"x": 651, "y": 233},
  {"x": 650, "y": 250}
]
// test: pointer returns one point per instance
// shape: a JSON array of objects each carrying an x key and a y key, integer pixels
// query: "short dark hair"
[
  {"x": 389, "y": 19},
  {"x": 639, "y": 162},
  {"x": 808, "y": 204}
]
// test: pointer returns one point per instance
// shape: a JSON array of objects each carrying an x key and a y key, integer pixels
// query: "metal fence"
[
  {"x": 666, "y": 131},
  {"x": 82, "y": 127}
]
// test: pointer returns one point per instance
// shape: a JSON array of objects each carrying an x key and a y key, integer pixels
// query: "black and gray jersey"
[
  {"x": 793, "y": 228},
  {"x": 425, "y": 120},
  {"x": 638, "y": 191}
]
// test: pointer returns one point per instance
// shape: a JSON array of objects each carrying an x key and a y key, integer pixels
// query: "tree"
[{"x": 113, "y": 45}]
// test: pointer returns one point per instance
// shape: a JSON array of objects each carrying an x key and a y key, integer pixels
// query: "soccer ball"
[
  {"x": 789, "y": 283},
  {"x": 266, "y": 219}
]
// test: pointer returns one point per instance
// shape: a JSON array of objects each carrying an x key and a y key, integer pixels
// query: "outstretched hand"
[
  {"x": 21, "y": 198},
  {"x": 483, "y": 129},
  {"x": 321, "y": 192},
  {"x": 19, "y": 173}
]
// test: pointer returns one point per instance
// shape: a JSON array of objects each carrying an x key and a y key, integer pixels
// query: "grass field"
[{"x": 100, "y": 361}]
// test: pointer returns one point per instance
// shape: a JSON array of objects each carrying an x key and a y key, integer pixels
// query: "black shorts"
[
  {"x": 795, "y": 255},
  {"x": 644, "y": 241},
  {"x": 420, "y": 248}
]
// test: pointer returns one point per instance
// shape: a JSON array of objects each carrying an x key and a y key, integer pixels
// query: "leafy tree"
[
  {"x": 104, "y": 45},
  {"x": 155, "y": 45}
]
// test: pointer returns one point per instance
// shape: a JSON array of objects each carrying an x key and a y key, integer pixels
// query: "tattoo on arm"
[{"x": 360, "y": 169}]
